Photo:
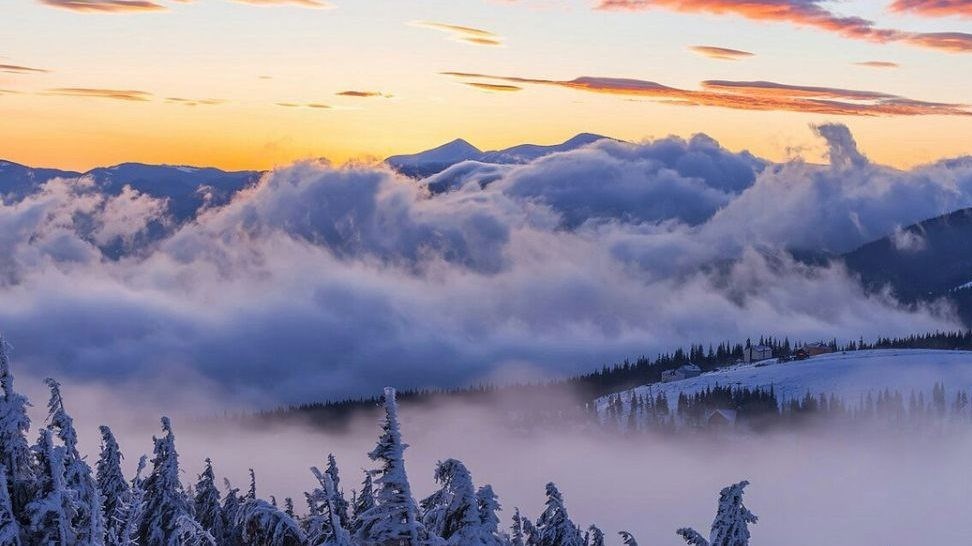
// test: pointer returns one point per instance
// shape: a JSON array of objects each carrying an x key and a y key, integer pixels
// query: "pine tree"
[
  {"x": 627, "y": 538},
  {"x": 337, "y": 534},
  {"x": 55, "y": 507},
  {"x": 9, "y": 527},
  {"x": 488, "y": 519},
  {"x": 132, "y": 512},
  {"x": 341, "y": 505},
  {"x": 169, "y": 520},
  {"x": 112, "y": 485},
  {"x": 595, "y": 537},
  {"x": 231, "y": 508},
  {"x": 554, "y": 527},
  {"x": 516, "y": 530},
  {"x": 363, "y": 501},
  {"x": 15, "y": 453},
  {"x": 206, "y": 504},
  {"x": 263, "y": 524},
  {"x": 452, "y": 512},
  {"x": 392, "y": 520},
  {"x": 89, "y": 522},
  {"x": 731, "y": 524}
]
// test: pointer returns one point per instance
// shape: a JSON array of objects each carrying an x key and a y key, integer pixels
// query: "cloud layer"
[{"x": 324, "y": 281}]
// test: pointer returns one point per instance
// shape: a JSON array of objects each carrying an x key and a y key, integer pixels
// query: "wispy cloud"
[
  {"x": 315, "y": 105},
  {"x": 934, "y": 8},
  {"x": 809, "y": 13},
  {"x": 494, "y": 86},
  {"x": 320, "y": 4},
  {"x": 469, "y": 35},
  {"x": 721, "y": 53},
  {"x": 363, "y": 94},
  {"x": 878, "y": 64},
  {"x": 89, "y": 92},
  {"x": 104, "y": 6},
  {"x": 751, "y": 95},
  {"x": 17, "y": 69},
  {"x": 194, "y": 102}
]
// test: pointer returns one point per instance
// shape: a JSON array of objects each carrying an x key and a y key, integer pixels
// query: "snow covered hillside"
[{"x": 848, "y": 375}]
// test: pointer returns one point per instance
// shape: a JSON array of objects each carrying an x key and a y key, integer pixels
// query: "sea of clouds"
[{"x": 325, "y": 281}]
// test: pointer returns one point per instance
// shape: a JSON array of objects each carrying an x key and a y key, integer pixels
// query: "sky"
[{"x": 254, "y": 84}]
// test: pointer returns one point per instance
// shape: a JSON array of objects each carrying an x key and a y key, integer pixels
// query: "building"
[
  {"x": 683, "y": 372},
  {"x": 757, "y": 353},
  {"x": 814, "y": 349},
  {"x": 720, "y": 418}
]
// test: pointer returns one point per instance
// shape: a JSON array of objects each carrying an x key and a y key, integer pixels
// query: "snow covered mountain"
[
  {"x": 18, "y": 180},
  {"x": 429, "y": 162},
  {"x": 849, "y": 375}
]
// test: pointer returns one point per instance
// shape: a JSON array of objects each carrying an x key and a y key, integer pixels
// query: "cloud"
[
  {"x": 493, "y": 86},
  {"x": 17, "y": 69},
  {"x": 721, "y": 53},
  {"x": 934, "y": 8},
  {"x": 461, "y": 33},
  {"x": 320, "y": 4},
  {"x": 878, "y": 64},
  {"x": 315, "y": 105},
  {"x": 104, "y": 6},
  {"x": 194, "y": 102},
  {"x": 89, "y": 92},
  {"x": 324, "y": 281},
  {"x": 811, "y": 13},
  {"x": 363, "y": 94},
  {"x": 752, "y": 95}
]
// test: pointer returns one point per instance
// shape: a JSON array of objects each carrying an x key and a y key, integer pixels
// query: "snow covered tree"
[
  {"x": 251, "y": 494},
  {"x": 206, "y": 504},
  {"x": 111, "y": 482},
  {"x": 341, "y": 505},
  {"x": 488, "y": 519},
  {"x": 89, "y": 522},
  {"x": 594, "y": 536},
  {"x": 392, "y": 520},
  {"x": 554, "y": 527},
  {"x": 53, "y": 512},
  {"x": 532, "y": 536},
  {"x": 731, "y": 524},
  {"x": 336, "y": 534},
  {"x": 517, "y": 533},
  {"x": 262, "y": 524},
  {"x": 15, "y": 454},
  {"x": 126, "y": 533},
  {"x": 627, "y": 538},
  {"x": 363, "y": 501},
  {"x": 9, "y": 527},
  {"x": 168, "y": 515},
  {"x": 231, "y": 508}
]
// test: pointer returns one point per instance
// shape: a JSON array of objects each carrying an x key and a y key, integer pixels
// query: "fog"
[{"x": 808, "y": 488}]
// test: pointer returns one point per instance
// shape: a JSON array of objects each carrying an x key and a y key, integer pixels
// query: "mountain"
[
  {"x": 17, "y": 181},
  {"x": 437, "y": 159},
  {"x": 427, "y": 163},
  {"x": 922, "y": 262},
  {"x": 186, "y": 188}
]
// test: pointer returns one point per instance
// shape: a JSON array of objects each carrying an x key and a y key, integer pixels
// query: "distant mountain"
[
  {"x": 427, "y": 163},
  {"x": 922, "y": 262},
  {"x": 17, "y": 181},
  {"x": 186, "y": 188}
]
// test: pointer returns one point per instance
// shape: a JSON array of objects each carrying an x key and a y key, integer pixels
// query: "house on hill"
[
  {"x": 684, "y": 372},
  {"x": 720, "y": 418},
  {"x": 755, "y": 353},
  {"x": 814, "y": 349}
]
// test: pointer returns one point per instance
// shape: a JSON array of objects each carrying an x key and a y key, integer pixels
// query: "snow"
[{"x": 848, "y": 375}]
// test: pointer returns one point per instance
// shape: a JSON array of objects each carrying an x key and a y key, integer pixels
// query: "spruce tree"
[
  {"x": 363, "y": 501},
  {"x": 337, "y": 534},
  {"x": 168, "y": 514},
  {"x": 112, "y": 485},
  {"x": 731, "y": 524},
  {"x": 89, "y": 522},
  {"x": 263, "y": 524},
  {"x": 15, "y": 453},
  {"x": 55, "y": 508},
  {"x": 341, "y": 505},
  {"x": 595, "y": 537},
  {"x": 452, "y": 512},
  {"x": 627, "y": 538},
  {"x": 517, "y": 533},
  {"x": 206, "y": 504},
  {"x": 231, "y": 508},
  {"x": 126, "y": 534},
  {"x": 554, "y": 527},
  {"x": 393, "y": 519},
  {"x": 9, "y": 527},
  {"x": 488, "y": 519}
]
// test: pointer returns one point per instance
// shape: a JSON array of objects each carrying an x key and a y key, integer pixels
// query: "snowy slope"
[{"x": 848, "y": 375}]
